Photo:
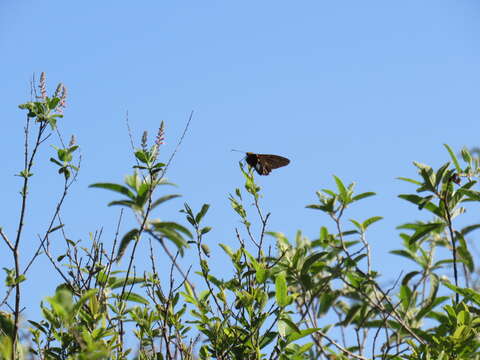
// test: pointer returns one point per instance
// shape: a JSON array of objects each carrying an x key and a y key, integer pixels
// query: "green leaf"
[
  {"x": 143, "y": 192},
  {"x": 120, "y": 282},
  {"x": 315, "y": 206},
  {"x": 428, "y": 176},
  {"x": 466, "y": 292},
  {"x": 327, "y": 299},
  {"x": 56, "y": 228},
  {"x": 175, "y": 237},
  {"x": 24, "y": 174},
  {"x": 114, "y": 187},
  {"x": 409, "y": 277},
  {"x": 130, "y": 296},
  {"x": 424, "y": 229},
  {"x": 469, "y": 229},
  {"x": 127, "y": 203},
  {"x": 440, "y": 173},
  {"x": 261, "y": 273},
  {"x": 465, "y": 255},
  {"x": 227, "y": 249},
  {"x": 237, "y": 207},
  {"x": 323, "y": 234},
  {"x": 160, "y": 225},
  {"x": 460, "y": 332},
  {"x": 466, "y": 156},
  {"x": 55, "y": 161},
  {"x": 127, "y": 238},
  {"x": 410, "y": 180},
  {"x": 301, "y": 334},
  {"x": 205, "y": 230},
  {"x": 281, "y": 295},
  {"x": 158, "y": 166},
  {"x": 53, "y": 102},
  {"x": 427, "y": 310},
  {"x": 282, "y": 328},
  {"x": 65, "y": 171},
  {"x": 201, "y": 213},
  {"x": 312, "y": 259},
  {"x": 83, "y": 299},
  {"x": 357, "y": 225},
  {"x": 351, "y": 314},
  {"x": 205, "y": 249},
  {"x": 238, "y": 193},
  {"x": 370, "y": 221},
  {"x": 363, "y": 196},
  {"x": 267, "y": 338},
  {"x": 163, "y": 199},
  {"x": 405, "y": 296},
  {"x": 141, "y": 156},
  {"x": 471, "y": 194},
  {"x": 38, "y": 326},
  {"x": 63, "y": 155},
  {"x": 404, "y": 253},
  {"x": 26, "y": 106},
  {"x": 454, "y": 158},
  {"x": 430, "y": 301},
  {"x": 422, "y": 202},
  {"x": 291, "y": 325},
  {"x": 341, "y": 189}
]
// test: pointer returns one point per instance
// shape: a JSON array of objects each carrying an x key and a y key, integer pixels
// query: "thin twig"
[
  {"x": 4, "y": 237},
  {"x": 452, "y": 236},
  {"x": 178, "y": 145},
  {"x": 130, "y": 133},
  {"x": 172, "y": 258}
]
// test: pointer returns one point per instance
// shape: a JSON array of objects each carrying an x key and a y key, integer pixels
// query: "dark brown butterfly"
[{"x": 264, "y": 163}]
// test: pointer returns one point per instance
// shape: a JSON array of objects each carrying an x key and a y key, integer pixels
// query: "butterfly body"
[{"x": 264, "y": 163}]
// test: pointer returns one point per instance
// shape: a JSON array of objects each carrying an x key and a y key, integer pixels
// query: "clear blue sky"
[{"x": 355, "y": 89}]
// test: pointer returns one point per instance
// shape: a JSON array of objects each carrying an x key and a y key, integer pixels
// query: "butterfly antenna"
[{"x": 238, "y": 151}]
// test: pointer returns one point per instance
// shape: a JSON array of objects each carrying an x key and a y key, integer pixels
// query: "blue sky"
[{"x": 355, "y": 89}]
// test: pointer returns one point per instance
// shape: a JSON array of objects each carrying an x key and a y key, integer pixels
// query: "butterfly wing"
[
  {"x": 252, "y": 160},
  {"x": 274, "y": 161},
  {"x": 264, "y": 163}
]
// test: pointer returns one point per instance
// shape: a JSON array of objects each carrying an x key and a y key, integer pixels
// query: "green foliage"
[
  {"x": 65, "y": 157},
  {"x": 138, "y": 192},
  {"x": 44, "y": 111},
  {"x": 280, "y": 297}
]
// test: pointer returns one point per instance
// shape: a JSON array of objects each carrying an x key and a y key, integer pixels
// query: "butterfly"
[{"x": 264, "y": 163}]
